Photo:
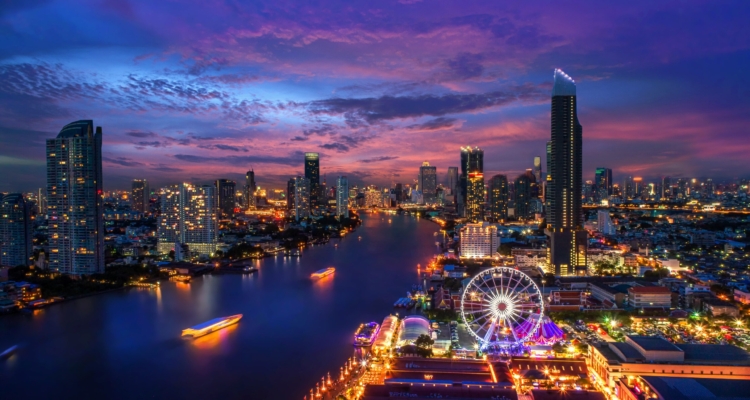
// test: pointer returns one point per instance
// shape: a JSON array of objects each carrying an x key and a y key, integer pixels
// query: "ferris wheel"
[{"x": 502, "y": 307}]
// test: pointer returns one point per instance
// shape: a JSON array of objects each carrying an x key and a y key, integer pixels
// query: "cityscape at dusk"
[
  {"x": 368, "y": 200},
  {"x": 209, "y": 89}
]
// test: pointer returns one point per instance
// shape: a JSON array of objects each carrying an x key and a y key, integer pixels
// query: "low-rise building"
[
  {"x": 649, "y": 297},
  {"x": 718, "y": 307},
  {"x": 654, "y": 356}
]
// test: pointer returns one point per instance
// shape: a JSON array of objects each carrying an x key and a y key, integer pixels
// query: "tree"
[
  {"x": 505, "y": 249},
  {"x": 424, "y": 345},
  {"x": 558, "y": 348}
]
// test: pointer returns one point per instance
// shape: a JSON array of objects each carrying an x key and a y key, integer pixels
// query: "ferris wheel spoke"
[{"x": 488, "y": 335}]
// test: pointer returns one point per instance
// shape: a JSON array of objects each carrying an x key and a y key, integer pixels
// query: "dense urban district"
[{"x": 543, "y": 286}]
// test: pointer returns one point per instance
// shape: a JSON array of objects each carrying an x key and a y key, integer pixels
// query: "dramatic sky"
[{"x": 199, "y": 90}]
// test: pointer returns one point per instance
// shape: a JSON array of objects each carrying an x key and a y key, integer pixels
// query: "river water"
[{"x": 127, "y": 345}]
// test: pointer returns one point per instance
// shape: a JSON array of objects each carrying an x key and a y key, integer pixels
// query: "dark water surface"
[{"x": 127, "y": 345}]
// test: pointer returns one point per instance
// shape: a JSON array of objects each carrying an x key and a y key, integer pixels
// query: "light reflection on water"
[{"x": 288, "y": 321}]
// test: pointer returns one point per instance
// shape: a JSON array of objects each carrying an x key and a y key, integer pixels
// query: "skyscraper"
[
  {"x": 538, "y": 169},
  {"x": 75, "y": 204},
  {"x": 498, "y": 198},
  {"x": 342, "y": 197},
  {"x": 428, "y": 182},
  {"x": 41, "y": 201},
  {"x": 312, "y": 173},
  {"x": 452, "y": 185},
  {"x": 139, "y": 195},
  {"x": 250, "y": 188},
  {"x": 628, "y": 188},
  {"x": 524, "y": 191},
  {"x": 666, "y": 188},
  {"x": 188, "y": 216},
  {"x": 225, "y": 192},
  {"x": 603, "y": 182},
  {"x": 471, "y": 184},
  {"x": 15, "y": 230},
  {"x": 290, "y": 196},
  {"x": 568, "y": 245},
  {"x": 301, "y": 199}
]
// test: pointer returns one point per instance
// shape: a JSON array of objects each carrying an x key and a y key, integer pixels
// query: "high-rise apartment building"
[
  {"x": 312, "y": 173},
  {"x": 75, "y": 203},
  {"x": 250, "y": 189},
  {"x": 603, "y": 183},
  {"x": 525, "y": 188},
  {"x": 568, "y": 240},
  {"x": 188, "y": 217},
  {"x": 225, "y": 196},
  {"x": 139, "y": 195},
  {"x": 604, "y": 223},
  {"x": 300, "y": 197},
  {"x": 15, "y": 230},
  {"x": 428, "y": 182},
  {"x": 498, "y": 198},
  {"x": 342, "y": 197},
  {"x": 471, "y": 184}
]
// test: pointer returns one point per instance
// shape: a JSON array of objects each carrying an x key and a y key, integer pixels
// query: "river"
[{"x": 127, "y": 345}]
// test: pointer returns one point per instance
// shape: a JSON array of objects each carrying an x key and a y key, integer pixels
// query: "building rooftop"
[
  {"x": 715, "y": 353},
  {"x": 77, "y": 129},
  {"x": 699, "y": 389},
  {"x": 649, "y": 290},
  {"x": 564, "y": 85},
  {"x": 566, "y": 395},
  {"x": 653, "y": 343},
  {"x": 630, "y": 352}
]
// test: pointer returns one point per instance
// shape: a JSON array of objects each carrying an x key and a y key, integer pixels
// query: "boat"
[
  {"x": 366, "y": 334},
  {"x": 9, "y": 352},
  {"x": 322, "y": 273},
  {"x": 211, "y": 326}
]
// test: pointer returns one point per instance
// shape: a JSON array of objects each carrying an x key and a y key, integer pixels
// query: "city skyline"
[{"x": 255, "y": 88}]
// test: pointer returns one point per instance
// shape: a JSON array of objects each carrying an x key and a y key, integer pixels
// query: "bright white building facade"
[{"x": 479, "y": 240}]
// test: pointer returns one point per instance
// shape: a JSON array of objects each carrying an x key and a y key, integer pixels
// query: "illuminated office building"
[
  {"x": 312, "y": 173},
  {"x": 139, "y": 195},
  {"x": 471, "y": 184},
  {"x": 428, "y": 182},
  {"x": 498, "y": 200},
  {"x": 225, "y": 196},
  {"x": 342, "y": 197}
]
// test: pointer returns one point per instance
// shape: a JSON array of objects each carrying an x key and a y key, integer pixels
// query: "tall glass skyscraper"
[
  {"x": 75, "y": 204},
  {"x": 15, "y": 230},
  {"x": 499, "y": 198},
  {"x": 139, "y": 195},
  {"x": 525, "y": 190},
  {"x": 471, "y": 183},
  {"x": 603, "y": 182},
  {"x": 428, "y": 182},
  {"x": 342, "y": 197},
  {"x": 568, "y": 245},
  {"x": 225, "y": 191},
  {"x": 312, "y": 173},
  {"x": 250, "y": 188}
]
